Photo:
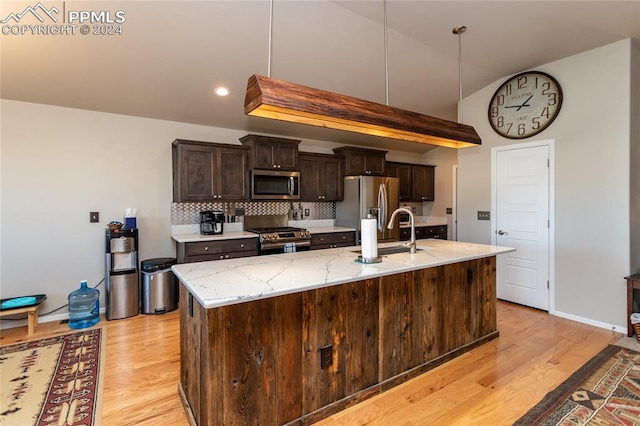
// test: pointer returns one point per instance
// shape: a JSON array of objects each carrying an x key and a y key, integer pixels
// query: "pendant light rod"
[
  {"x": 386, "y": 54},
  {"x": 458, "y": 31},
  {"x": 270, "y": 37}
]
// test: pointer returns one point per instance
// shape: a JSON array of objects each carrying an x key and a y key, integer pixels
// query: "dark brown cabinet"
[
  {"x": 272, "y": 153},
  {"x": 403, "y": 172},
  {"x": 320, "y": 177},
  {"x": 332, "y": 240},
  {"x": 216, "y": 250},
  {"x": 361, "y": 161},
  {"x": 422, "y": 183},
  {"x": 205, "y": 171},
  {"x": 438, "y": 232}
]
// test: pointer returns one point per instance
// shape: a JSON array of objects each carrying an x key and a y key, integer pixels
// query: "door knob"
[{"x": 501, "y": 232}]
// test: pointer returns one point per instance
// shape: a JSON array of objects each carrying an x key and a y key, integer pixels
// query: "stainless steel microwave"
[{"x": 275, "y": 185}]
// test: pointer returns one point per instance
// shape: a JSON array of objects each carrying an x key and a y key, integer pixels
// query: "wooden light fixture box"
[{"x": 280, "y": 100}]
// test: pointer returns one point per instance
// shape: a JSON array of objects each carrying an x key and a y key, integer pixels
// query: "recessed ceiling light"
[{"x": 221, "y": 91}]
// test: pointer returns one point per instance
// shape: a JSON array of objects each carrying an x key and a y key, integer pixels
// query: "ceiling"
[{"x": 171, "y": 54}]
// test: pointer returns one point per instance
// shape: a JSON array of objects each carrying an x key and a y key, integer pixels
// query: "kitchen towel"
[
  {"x": 369, "y": 236},
  {"x": 289, "y": 247}
]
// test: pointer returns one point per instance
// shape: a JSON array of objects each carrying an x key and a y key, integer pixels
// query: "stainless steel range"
[
  {"x": 275, "y": 236},
  {"x": 282, "y": 239}
]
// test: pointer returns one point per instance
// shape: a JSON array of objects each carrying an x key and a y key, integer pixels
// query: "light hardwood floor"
[{"x": 492, "y": 385}]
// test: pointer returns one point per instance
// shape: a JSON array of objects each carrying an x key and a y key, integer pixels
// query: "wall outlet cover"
[
  {"x": 94, "y": 217},
  {"x": 484, "y": 215}
]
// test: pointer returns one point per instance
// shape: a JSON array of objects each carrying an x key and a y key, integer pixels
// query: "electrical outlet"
[
  {"x": 484, "y": 215},
  {"x": 94, "y": 217},
  {"x": 326, "y": 356},
  {"x": 449, "y": 210},
  {"x": 413, "y": 209},
  {"x": 306, "y": 212}
]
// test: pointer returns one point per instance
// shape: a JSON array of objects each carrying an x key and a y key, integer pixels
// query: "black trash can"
[{"x": 159, "y": 291}]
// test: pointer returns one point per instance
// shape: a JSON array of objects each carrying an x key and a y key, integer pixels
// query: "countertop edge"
[{"x": 192, "y": 275}]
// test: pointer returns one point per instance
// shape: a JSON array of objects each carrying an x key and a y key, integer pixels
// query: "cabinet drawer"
[
  {"x": 333, "y": 239},
  {"x": 220, "y": 256},
  {"x": 432, "y": 230},
  {"x": 226, "y": 246}
]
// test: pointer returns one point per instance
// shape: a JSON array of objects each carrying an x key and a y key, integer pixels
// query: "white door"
[{"x": 522, "y": 207}]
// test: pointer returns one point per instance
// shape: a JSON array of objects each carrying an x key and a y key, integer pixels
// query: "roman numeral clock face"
[{"x": 525, "y": 105}]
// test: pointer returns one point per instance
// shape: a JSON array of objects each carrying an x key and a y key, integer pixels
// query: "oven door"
[
  {"x": 284, "y": 247},
  {"x": 274, "y": 185}
]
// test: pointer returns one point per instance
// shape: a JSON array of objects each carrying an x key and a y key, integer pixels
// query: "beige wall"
[
  {"x": 592, "y": 204},
  {"x": 58, "y": 164}
]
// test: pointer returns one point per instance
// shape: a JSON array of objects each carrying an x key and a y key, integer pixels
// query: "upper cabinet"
[
  {"x": 403, "y": 172},
  {"x": 361, "y": 161},
  {"x": 416, "y": 181},
  {"x": 205, "y": 171},
  {"x": 320, "y": 177},
  {"x": 272, "y": 153},
  {"x": 422, "y": 183}
]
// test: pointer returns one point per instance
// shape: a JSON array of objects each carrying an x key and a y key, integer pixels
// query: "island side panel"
[
  {"x": 200, "y": 370},
  {"x": 345, "y": 317},
  {"x": 324, "y": 310},
  {"x": 401, "y": 323},
  {"x": 289, "y": 353},
  {"x": 250, "y": 362},
  {"x": 360, "y": 353}
]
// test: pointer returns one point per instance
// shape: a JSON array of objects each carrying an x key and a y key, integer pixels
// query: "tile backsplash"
[{"x": 188, "y": 213}]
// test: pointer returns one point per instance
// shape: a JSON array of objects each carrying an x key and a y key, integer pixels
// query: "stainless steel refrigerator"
[{"x": 369, "y": 194}]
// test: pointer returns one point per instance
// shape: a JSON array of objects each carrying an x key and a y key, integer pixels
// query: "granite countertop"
[
  {"x": 197, "y": 237},
  {"x": 225, "y": 282},
  {"x": 328, "y": 229},
  {"x": 427, "y": 221},
  {"x": 191, "y": 233}
]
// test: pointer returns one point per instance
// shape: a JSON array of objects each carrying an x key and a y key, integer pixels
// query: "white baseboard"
[{"x": 612, "y": 327}]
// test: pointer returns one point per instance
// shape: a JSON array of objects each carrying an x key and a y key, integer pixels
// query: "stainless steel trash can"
[{"x": 159, "y": 286}]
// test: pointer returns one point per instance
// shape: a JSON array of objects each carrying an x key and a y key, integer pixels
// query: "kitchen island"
[{"x": 293, "y": 338}]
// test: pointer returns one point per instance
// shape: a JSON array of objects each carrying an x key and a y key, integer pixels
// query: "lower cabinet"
[
  {"x": 216, "y": 250},
  {"x": 304, "y": 356},
  {"x": 333, "y": 240},
  {"x": 439, "y": 232}
]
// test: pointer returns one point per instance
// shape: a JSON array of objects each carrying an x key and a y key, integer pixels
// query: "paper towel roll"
[{"x": 369, "y": 235}]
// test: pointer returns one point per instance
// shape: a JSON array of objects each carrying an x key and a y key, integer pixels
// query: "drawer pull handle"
[{"x": 206, "y": 248}]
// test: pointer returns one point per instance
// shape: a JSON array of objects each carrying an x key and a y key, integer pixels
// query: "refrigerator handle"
[{"x": 382, "y": 205}]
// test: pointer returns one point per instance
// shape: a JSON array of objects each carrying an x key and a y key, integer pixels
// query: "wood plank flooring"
[{"x": 492, "y": 385}]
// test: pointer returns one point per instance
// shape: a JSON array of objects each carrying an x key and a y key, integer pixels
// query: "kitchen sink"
[{"x": 382, "y": 251}]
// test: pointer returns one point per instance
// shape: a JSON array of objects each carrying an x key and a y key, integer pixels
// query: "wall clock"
[{"x": 525, "y": 105}]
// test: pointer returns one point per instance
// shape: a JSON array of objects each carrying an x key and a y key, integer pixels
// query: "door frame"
[{"x": 550, "y": 143}]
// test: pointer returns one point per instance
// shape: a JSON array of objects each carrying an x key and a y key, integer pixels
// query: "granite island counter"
[{"x": 296, "y": 337}]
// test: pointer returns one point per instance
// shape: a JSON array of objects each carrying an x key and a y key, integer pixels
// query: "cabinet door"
[
  {"x": 375, "y": 164},
  {"x": 264, "y": 155},
  {"x": 193, "y": 172},
  {"x": 309, "y": 178},
  {"x": 232, "y": 174},
  {"x": 403, "y": 172},
  {"x": 422, "y": 183},
  {"x": 286, "y": 155},
  {"x": 331, "y": 179}
]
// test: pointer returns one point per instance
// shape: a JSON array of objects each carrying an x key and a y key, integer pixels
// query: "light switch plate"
[
  {"x": 484, "y": 215},
  {"x": 94, "y": 217}
]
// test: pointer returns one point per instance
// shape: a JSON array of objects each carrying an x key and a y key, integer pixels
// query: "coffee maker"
[{"x": 211, "y": 222}]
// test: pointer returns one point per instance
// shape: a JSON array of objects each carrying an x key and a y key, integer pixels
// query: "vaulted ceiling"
[{"x": 171, "y": 54}]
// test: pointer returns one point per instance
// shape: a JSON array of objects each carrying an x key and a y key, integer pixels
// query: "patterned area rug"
[
  {"x": 53, "y": 381},
  {"x": 604, "y": 391}
]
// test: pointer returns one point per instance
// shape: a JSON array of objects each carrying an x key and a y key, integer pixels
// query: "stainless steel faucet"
[{"x": 411, "y": 244}]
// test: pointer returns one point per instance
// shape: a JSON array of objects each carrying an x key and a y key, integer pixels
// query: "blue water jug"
[{"x": 84, "y": 307}]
